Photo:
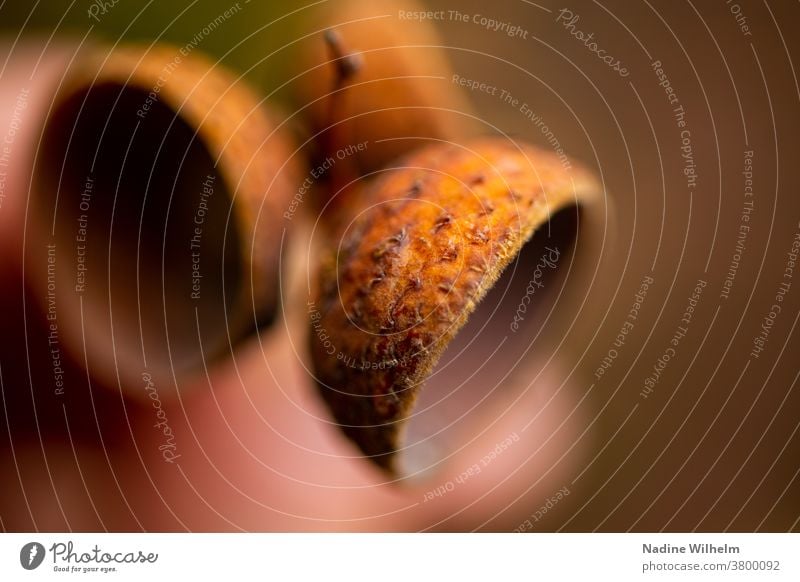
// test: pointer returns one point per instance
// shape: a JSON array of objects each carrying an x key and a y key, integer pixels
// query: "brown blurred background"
[{"x": 713, "y": 446}]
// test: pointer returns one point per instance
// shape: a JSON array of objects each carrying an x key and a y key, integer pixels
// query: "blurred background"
[{"x": 666, "y": 397}]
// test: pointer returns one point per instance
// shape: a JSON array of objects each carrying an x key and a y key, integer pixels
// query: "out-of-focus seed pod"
[
  {"x": 402, "y": 90},
  {"x": 155, "y": 246}
]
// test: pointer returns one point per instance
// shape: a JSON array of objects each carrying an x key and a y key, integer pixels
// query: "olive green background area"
[{"x": 245, "y": 41}]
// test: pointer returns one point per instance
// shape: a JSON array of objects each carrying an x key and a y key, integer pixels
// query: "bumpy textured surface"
[
  {"x": 428, "y": 240},
  {"x": 403, "y": 87},
  {"x": 254, "y": 154}
]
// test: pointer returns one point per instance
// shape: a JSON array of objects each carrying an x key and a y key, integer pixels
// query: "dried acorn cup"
[
  {"x": 158, "y": 177},
  {"x": 435, "y": 235},
  {"x": 431, "y": 266}
]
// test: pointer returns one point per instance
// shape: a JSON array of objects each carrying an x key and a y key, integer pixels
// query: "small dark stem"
[{"x": 347, "y": 64}]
